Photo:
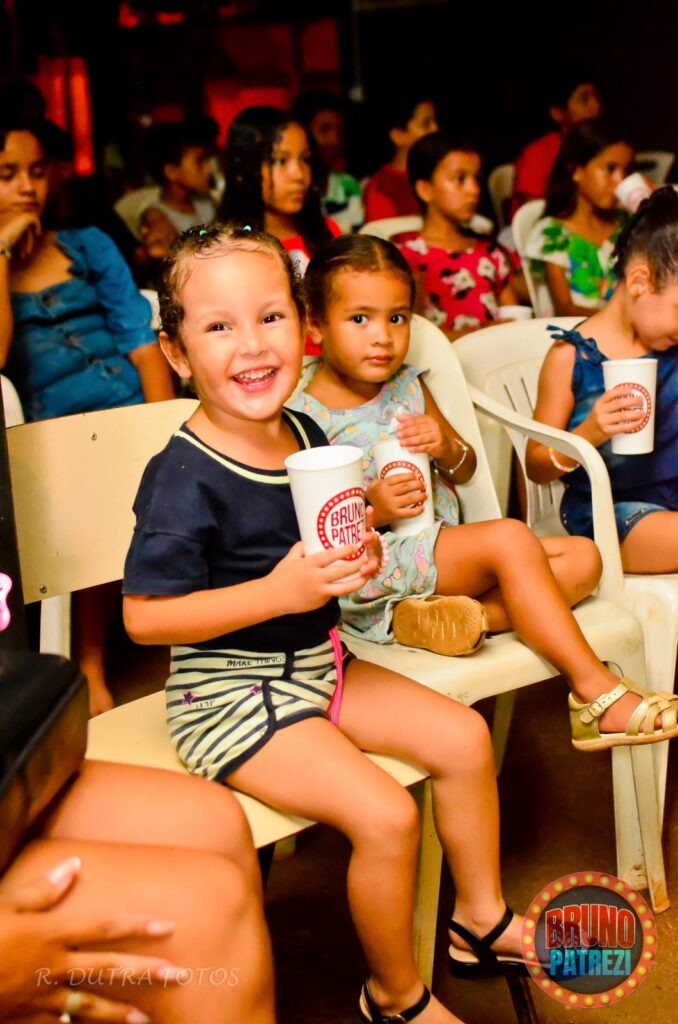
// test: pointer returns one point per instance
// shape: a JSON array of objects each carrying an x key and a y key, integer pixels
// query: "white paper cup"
[
  {"x": 640, "y": 377},
  {"x": 391, "y": 458},
  {"x": 329, "y": 496},
  {"x": 632, "y": 190},
  {"x": 514, "y": 313}
]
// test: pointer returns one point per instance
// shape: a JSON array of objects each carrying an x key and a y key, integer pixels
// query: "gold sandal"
[
  {"x": 586, "y": 734},
  {"x": 444, "y": 625}
]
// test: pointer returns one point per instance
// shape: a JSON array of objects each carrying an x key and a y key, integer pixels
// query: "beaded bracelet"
[
  {"x": 559, "y": 465},
  {"x": 449, "y": 471}
]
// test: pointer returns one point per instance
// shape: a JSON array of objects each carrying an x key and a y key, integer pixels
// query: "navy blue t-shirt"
[{"x": 205, "y": 521}]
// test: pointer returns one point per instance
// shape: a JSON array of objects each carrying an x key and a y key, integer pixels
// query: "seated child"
[
  {"x": 180, "y": 163},
  {"x": 217, "y": 570},
  {"x": 462, "y": 277},
  {"x": 640, "y": 320},
  {"x": 575, "y": 240},
  {"x": 388, "y": 192},
  {"x": 572, "y": 97},
  {"x": 323, "y": 114},
  {"x": 360, "y": 293}
]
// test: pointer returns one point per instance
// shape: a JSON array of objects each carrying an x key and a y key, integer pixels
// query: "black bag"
[{"x": 44, "y": 710}]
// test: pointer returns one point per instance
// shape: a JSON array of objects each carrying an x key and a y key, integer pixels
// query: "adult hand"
[
  {"x": 618, "y": 411},
  {"x": 42, "y": 955},
  {"x": 20, "y": 230},
  {"x": 398, "y": 496}
]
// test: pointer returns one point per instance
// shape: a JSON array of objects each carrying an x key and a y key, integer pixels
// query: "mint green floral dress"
[
  {"x": 411, "y": 569},
  {"x": 589, "y": 268}
]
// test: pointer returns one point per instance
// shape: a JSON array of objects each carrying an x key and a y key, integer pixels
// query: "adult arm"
[
  {"x": 17, "y": 233},
  {"x": 154, "y": 372}
]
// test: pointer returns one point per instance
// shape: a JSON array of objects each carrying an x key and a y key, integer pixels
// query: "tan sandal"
[
  {"x": 641, "y": 728},
  {"x": 444, "y": 625}
]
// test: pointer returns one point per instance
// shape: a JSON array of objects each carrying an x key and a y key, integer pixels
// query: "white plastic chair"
[
  {"x": 655, "y": 164},
  {"x": 130, "y": 206},
  {"x": 524, "y": 219},
  {"x": 504, "y": 363},
  {"x": 500, "y": 183},
  {"x": 391, "y": 226}
]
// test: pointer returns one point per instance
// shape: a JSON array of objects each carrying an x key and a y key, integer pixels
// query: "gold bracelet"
[
  {"x": 446, "y": 470},
  {"x": 559, "y": 465}
]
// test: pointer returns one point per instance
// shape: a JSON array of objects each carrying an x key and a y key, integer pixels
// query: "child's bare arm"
[
  {"x": 555, "y": 403},
  {"x": 431, "y": 433},
  {"x": 298, "y": 583},
  {"x": 559, "y": 289}
]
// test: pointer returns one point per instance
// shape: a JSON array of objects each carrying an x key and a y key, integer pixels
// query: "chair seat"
[
  {"x": 504, "y": 663},
  {"x": 137, "y": 733}
]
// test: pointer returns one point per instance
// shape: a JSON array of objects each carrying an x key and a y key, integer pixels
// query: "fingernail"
[
  {"x": 64, "y": 870},
  {"x": 160, "y": 927},
  {"x": 137, "y": 1017}
]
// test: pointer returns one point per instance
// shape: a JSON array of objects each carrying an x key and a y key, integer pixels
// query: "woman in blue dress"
[
  {"x": 75, "y": 334},
  {"x": 640, "y": 321}
]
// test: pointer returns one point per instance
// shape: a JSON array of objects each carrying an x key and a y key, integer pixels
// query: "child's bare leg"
[
  {"x": 476, "y": 557},
  {"x": 452, "y": 742},
  {"x": 94, "y": 609},
  {"x": 311, "y": 769},
  {"x": 652, "y": 544},
  {"x": 219, "y": 925},
  {"x": 576, "y": 564}
]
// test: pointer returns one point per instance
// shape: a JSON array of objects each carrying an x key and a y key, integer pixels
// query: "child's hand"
[
  {"x": 616, "y": 412},
  {"x": 305, "y": 582},
  {"x": 423, "y": 434},
  {"x": 375, "y": 546},
  {"x": 399, "y": 496}
]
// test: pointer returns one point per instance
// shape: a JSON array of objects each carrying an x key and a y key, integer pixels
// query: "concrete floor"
[{"x": 556, "y": 818}]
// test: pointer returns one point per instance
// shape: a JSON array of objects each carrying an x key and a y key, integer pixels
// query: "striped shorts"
[{"x": 224, "y": 705}]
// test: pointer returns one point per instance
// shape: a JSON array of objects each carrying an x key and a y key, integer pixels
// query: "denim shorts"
[{"x": 577, "y": 516}]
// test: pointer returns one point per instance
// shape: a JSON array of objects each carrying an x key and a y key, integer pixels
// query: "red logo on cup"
[
  {"x": 638, "y": 391},
  {"x": 407, "y": 467},
  {"x": 341, "y": 520}
]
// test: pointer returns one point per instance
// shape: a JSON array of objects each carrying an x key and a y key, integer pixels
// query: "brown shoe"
[{"x": 444, "y": 625}]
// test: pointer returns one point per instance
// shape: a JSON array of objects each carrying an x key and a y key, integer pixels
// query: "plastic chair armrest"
[{"x": 611, "y": 584}]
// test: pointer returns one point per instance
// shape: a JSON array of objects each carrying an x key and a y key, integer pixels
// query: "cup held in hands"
[
  {"x": 632, "y": 190},
  {"x": 329, "y": 497},
  {"x": 639, "y": 378},
  {"x": 391, "y": 458}
]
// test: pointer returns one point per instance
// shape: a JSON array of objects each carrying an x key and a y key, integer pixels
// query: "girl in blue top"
[
  {"x": 641, "y": 320},
  {"x": 75, "y": 334},
  {"x": 216, "y": 569},
  {"x": 360, "y": 292}
]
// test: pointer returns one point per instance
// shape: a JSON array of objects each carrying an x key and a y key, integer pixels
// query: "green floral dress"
[{"x": 589, "y": 268}]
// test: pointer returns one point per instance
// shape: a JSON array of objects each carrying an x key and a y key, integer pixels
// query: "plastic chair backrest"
[
  {"x": 390, "y": 226},
  {"x": 504, "y": 362},
  {"x": 132, "y": 205},
  {"x": 431, "y": 351},
  {"x": 655, "y": 164},
  {"x": 74, "y": 480},
  {"x": 14, "y": 413},
  {"x": 500, "y": 182},
  {"x": 523, "y": 221}
]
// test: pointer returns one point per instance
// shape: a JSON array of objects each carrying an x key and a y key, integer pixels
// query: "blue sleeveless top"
[{"x": 652, "y": 477}]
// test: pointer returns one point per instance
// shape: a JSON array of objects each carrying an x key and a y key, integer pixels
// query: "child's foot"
[
  {"x": 624, "y": 715},
  {"x": 487, "y": 946},
  {"x": 444, "y": 625},
  {"x": 376, "y": 1006}
]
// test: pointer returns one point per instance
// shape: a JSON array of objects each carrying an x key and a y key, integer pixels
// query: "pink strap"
[{"x": 335, "y": 703}]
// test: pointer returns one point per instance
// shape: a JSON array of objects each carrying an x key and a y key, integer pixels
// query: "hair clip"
[{"x": 203, "y": 231}]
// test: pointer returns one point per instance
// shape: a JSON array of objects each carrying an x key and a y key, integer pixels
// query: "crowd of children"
[{"x": 254, "y": 274}]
